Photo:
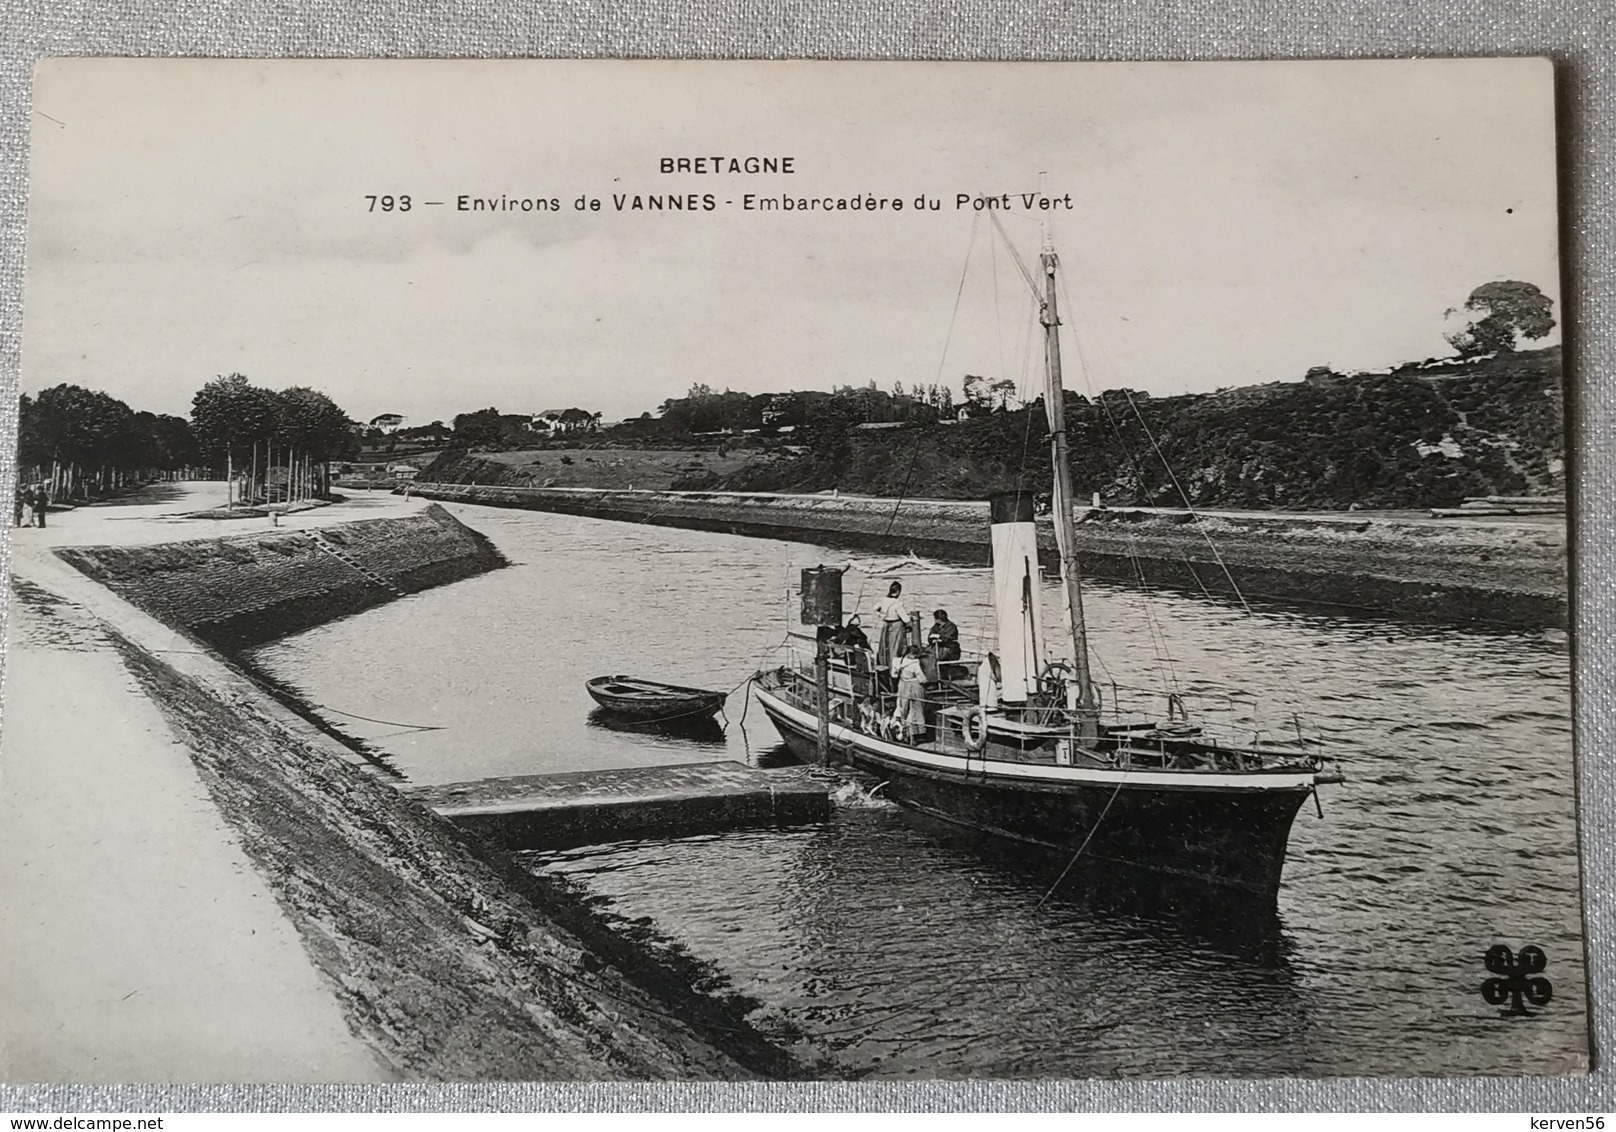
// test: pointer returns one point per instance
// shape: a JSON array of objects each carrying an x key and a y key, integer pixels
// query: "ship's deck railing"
[{"x": 1237, "y": 718}]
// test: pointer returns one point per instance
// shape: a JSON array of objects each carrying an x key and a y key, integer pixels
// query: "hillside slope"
[{"x": 1422, "y": 435}]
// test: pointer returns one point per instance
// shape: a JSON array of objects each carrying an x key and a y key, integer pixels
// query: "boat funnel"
[
  {"x": 822, "y": 596},
  {"x": 1016, "y": 604}
]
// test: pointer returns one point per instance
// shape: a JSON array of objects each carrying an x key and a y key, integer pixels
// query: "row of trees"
[
  {"x": 79, "y": 443},
  {"x": 706, "y": 410},
  {"x": 984, "y": 395},
  {"x": 272, "y": 445},
  {"x": 490, "y": 426},
  {"x": 276, "y": 445}
]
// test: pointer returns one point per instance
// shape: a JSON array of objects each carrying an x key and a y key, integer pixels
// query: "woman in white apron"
[{"x": 894, "y": 628}]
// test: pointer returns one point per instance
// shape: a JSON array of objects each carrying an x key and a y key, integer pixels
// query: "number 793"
[{"x": 388, "y": 203}]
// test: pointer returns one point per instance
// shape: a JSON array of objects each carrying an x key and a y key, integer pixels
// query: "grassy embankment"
[{"x": 640, "y": 469}]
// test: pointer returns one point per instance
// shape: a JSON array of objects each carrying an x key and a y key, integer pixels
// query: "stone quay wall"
[
  {"x": 1508, "y": 574},
  {"x": 245, "y": 590}
]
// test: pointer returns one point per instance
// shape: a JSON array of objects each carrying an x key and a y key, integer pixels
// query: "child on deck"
[{"x": 911, "y": 695}]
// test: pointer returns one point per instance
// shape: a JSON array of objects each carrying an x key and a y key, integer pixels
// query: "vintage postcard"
[{"x": 708, "y": 571}]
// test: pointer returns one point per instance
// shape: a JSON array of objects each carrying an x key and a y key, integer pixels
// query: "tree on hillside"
[
  {"x": 827, "y": 432},
  {"x": 704, "y": 410},
  {"x": 1507, "y": 311},
  {"x": 983, "y": 396},
  {"x": 437, "y": 432},
  {"x": 481, "y": 427}
]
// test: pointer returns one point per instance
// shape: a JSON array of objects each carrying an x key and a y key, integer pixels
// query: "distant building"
[
  {"x": 388, "y": 423},
  {"x": 402, "y": 471}
]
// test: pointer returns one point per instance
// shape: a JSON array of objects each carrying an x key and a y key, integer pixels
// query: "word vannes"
[{"x": 621, "y": 202}]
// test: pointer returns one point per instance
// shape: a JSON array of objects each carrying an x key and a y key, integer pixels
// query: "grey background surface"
[{"x": 1580, "y": 36}]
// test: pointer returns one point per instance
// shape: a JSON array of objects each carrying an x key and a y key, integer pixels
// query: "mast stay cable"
[
  {"x": 914, "y": 450},
  {"x": 1200, "y": 526}
]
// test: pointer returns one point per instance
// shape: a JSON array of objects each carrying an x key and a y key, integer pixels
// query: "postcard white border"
[{"x": 1578, "y": 34}]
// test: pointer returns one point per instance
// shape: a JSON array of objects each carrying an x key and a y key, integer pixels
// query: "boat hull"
[
  {"x": 1231, "y": 839},
  {"x": 653, "y": 702}
]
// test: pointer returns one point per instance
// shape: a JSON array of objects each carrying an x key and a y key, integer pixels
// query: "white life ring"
[{"x": 975, "y": 729}]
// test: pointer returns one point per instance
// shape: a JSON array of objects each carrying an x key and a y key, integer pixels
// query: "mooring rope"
[
  {"x": 1117, "y": 789},
  {"x": 869, "y": 1024},
  {"x": 383, "y": 722}
]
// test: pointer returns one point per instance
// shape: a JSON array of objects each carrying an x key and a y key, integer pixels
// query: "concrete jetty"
[{"x": 559, "y": 811}]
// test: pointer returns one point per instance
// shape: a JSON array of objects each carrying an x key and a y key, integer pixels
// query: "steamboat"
[{"x": 1014, "y": 746}]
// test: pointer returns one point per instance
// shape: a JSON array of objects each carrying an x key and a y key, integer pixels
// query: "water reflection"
[
  {"x": 888, "y": 952},
  {"x": 698, "y": 731},
  {"x": 1116, "y": 889}
]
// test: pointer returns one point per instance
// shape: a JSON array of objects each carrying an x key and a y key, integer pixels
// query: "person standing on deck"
[
  {"x": 894, "y": 628},
  {"x": 911, "y": 695}
]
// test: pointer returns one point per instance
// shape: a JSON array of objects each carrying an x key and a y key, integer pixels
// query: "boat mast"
[{"x": 1061, "y": 501}]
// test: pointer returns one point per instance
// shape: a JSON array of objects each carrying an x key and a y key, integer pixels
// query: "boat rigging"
[{"x": 1013, "y": 747}]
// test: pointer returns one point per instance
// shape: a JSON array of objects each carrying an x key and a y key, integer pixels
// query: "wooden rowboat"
[{"x": 636, "y": 698}]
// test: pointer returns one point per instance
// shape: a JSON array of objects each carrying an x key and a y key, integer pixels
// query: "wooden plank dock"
[{"x": 559, "y": 811}]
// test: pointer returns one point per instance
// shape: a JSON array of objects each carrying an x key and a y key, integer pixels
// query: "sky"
[{"x": 1231, "y": 224}]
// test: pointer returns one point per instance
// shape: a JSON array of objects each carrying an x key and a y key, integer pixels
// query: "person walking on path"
[
  {"x": 40, "y": 502},
  {"x": 894, "y": 628},
  {"x": 21, "y": 505}
]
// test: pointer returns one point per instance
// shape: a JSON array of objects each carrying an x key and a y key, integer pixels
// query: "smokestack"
[{"x": 1016, "y": 594}]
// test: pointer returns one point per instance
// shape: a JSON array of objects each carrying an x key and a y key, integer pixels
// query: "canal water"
[{"x": 876, "y": 946}]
